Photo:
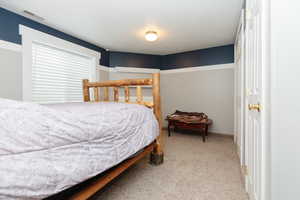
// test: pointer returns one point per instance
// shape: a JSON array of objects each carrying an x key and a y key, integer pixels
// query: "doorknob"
[{"x": 254, "y": 107}]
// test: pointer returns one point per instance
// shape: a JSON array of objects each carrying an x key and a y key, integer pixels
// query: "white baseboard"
[
  {"x": 211, "y": 131},
  {"x": 220, "y": 132}
]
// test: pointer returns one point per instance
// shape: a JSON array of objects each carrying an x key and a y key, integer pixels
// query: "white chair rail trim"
[
  {"x": 135, "y": 70},
  {"x": 169, "y": 71},
  {"x": 10, "y": 46},
  {"x": 200, "y": 68}
]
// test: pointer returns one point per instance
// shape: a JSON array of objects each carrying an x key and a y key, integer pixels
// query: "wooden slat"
[
  {"x": 106, "y": 94},
  {"x": 103, "y": 180},
  {"x": 139, "y": 95},
  {"x": 127, "y": 94},
  {"x": 119, "y": 83},
  {"x": 96, "y": 94},
  {"x": 116, "y": 94},
  {"x": 86, "y": 92}
]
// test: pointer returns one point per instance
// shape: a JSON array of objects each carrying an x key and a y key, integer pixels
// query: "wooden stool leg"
[
  {"x": 205, "y": 133},
  {"x": 169, "y": 131}
]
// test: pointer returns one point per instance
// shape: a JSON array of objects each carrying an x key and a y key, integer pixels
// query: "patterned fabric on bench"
[{"x": 188, "y": 117}]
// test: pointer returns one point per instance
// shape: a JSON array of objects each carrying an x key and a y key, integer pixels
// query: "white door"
[
  {"x": 253, "y": 81},
  {"x": 239, "y": 90}
]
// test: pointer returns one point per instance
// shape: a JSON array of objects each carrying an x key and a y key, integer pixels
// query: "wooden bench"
[{"x": 189, "y": 121}]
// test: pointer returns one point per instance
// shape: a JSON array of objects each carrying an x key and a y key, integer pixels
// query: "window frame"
[{"x": 29, "y": 36}]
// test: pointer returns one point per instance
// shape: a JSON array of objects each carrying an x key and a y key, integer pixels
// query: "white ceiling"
[{"x": 119, "y": 25}]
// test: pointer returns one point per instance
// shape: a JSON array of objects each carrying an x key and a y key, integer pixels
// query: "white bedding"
[{"x": 46, "y": 149}]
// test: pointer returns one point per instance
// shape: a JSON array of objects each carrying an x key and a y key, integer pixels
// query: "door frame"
[
  {"x": 266, "y": 100},
  {"x": 240, "y": 80}
]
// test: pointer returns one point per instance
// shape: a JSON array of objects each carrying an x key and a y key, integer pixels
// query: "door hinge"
[
  {"x": 248, "y": 92},
  {"x": 248, "y": 14}
]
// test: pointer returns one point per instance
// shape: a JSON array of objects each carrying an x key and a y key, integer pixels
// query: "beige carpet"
[{"x": 192, "y": 170}]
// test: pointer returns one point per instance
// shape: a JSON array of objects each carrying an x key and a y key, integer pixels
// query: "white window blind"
[{"x": 57, "y": 74}]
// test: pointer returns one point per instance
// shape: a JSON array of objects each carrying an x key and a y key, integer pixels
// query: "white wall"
[
  {"x": 208, "y": 89},
  {"x": 103, "y": 75},
  {"x": 285, "y": 98},
  {"x": 10, "y": 74}
]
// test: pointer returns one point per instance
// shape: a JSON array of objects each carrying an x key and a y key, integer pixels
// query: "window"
[
  {"x": 57, "y": 74},
  {"x": 53, "y": 68}
]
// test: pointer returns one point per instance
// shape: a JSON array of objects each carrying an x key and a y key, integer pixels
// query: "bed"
[{"x": 74, "y": 143}]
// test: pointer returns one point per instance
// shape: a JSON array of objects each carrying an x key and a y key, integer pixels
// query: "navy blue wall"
[
  {"x": 210, "y": 56},
  {"x": 124, "y": 59},
  {"x": 9, "y": 31},
  {"x": 201, "y": 57}
]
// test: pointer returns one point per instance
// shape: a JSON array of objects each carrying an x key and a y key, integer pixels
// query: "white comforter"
[{"x": 46, "y": 149}]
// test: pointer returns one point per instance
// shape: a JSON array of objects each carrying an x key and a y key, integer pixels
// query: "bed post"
[
  {"x": 157, "y": 156},
  {"x": 86, "y": 91}
]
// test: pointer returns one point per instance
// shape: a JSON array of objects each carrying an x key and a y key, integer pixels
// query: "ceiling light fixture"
[{"x": 151, "y": 36}]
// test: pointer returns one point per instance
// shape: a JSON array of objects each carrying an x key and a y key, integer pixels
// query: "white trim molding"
[
  {"x": 127, "y": 69},
  {"x": 134, "y": 70},
  {"x": 169, "y": 71},
  {"x": 103, "y": 68},
  {"x": 10, "y": 46},
  {"x": 200, "y": 68}
]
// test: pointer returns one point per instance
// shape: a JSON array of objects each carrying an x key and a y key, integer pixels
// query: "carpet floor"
[{"x": 192, "y": 170}]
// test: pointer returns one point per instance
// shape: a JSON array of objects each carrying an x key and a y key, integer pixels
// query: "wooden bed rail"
[{"x": 118, "y": 83}]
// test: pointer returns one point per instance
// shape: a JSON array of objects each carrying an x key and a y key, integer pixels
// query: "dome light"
[{"x": 151, "y": 36}]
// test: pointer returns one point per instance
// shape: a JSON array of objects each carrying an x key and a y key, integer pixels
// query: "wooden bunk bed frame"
[{"x": 155, "y": 149}]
